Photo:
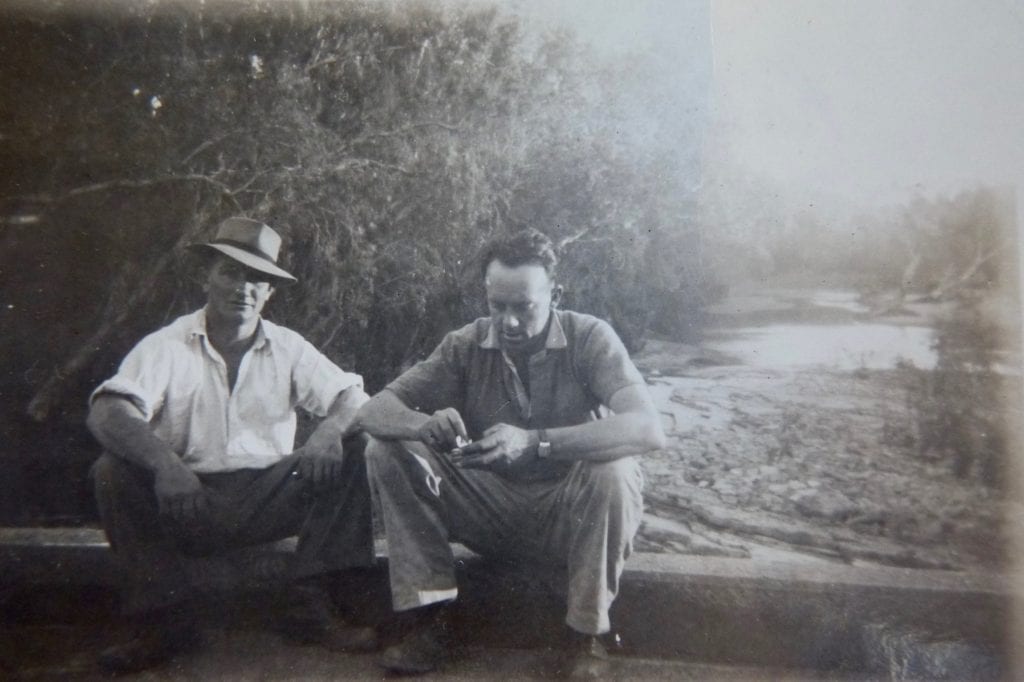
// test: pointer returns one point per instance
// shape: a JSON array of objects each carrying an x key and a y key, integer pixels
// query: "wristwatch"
[{"x": 543, "y": 445}]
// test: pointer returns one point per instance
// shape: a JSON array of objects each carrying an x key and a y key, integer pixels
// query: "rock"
[
  {"x": 724, "y": 487},
  {"x": 934, "y": 532},
  {"x": 878, "y": 518},
  {"x": 768, "y": 471},
  {"x": 827, "y": 504}
]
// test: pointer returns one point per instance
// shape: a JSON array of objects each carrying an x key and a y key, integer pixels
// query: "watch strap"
[{"x": 543, "y": 444}]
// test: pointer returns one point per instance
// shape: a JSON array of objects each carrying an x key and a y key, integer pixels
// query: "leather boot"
[
  {"x": 310, "y": 619},
  {"x": 425, "y": 648}
]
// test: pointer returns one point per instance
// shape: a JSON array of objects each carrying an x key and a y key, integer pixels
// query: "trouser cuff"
[{"x": 589, "y": 624}]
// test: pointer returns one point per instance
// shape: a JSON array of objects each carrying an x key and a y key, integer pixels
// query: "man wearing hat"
[{"x": 198, "y": 427}]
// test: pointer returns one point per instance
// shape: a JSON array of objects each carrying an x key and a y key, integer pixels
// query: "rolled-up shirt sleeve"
[
  {"x": 142, "y": 378},
  {"x": 317, "y": 382}
]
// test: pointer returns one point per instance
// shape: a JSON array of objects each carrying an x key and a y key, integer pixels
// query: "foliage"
[
  {"x": 961, "y": 408},
  {"x": 928, "y": 248},
  {"x": 386, "y": 144}
]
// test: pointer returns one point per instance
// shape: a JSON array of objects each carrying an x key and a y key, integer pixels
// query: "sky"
[
  {"x": 869, "y": 102},
  {"x": 841, "y": 104}
]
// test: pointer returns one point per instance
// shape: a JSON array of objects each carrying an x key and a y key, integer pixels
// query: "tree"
[{"x": 386, "y": 144}]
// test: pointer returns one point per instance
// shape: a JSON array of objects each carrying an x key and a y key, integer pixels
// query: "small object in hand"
[{"x": 460, "y": 443}]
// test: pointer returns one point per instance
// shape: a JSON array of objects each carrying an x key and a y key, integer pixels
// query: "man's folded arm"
[
  {"x": 634, "y": 429},
  {"x": 122, "y": 430},
  {"x": 339, "y": 423},
  {"x": 386, "y": 417}
]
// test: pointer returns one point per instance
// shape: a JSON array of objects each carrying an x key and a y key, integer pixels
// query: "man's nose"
[{"x": 511, "y": 322}]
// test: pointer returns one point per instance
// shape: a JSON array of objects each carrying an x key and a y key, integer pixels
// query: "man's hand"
[
  {"x": 179, "y": 494},
  {"x": 502, "y": 447},
  {"x": 442, "y": 430},
  {"x": 321, "y": 467}
]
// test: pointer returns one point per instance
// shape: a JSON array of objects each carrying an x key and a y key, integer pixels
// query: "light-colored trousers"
[
  {"x": 584, "y": 523},
  {"x": 163, "y": 563}
]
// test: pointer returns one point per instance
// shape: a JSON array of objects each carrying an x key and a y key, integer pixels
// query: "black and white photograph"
[{"x": 511, "y": 340}]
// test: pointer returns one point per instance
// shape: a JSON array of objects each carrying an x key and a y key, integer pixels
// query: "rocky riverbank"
[{"x": 805, "y": 464}]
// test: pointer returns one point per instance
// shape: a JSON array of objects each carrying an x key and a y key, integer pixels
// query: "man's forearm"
[
  {"x": 120, "y": 428},
  {"x": 620, "y": 435},
  {"x": 388, "y": 418},
  {"x": 340, "y": 420}
]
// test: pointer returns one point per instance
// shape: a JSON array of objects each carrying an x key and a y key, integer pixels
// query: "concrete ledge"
[
  {"x": 16, "y": 543},
  {"x": 702, "y": 609},
  {"x": 815, "y": 616},
  {"x": 810, "y": 576}
]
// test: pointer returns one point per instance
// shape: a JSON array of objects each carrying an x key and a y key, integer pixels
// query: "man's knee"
[
  {"x": 111, "y": 474},
  {"x": 382, "y": 458},
  {"x": 356, "y": 443},
  {"x": 618, "y": 482},
  {"x": 400, "y": 466}
]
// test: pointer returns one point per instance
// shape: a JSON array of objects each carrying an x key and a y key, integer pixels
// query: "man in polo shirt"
[
  {"x": 198, "y": 427},
  {"x": 542, "y": 478}
]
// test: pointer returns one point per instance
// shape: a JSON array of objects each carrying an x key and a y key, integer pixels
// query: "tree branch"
[
  {"x": 206, "y": 145},
  {"x": 121, "y": 183},
  {"x": 361, "y": 163}
]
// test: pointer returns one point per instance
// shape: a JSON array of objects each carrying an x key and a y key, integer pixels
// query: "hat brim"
[{"x": 249, "y": 260}]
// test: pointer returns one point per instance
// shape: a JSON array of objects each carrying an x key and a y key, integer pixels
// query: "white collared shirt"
[{"x": 179, "y": 382}]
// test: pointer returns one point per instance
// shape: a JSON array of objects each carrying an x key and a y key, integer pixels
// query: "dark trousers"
[{"x": 164, "y": 562}]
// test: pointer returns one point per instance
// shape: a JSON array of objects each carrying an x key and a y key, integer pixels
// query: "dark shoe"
[
  {"x": 152, "y": 644},
  {"x": 423, "y": 649},
  {"x": 585, "y": 658},
  {"x": 309, "y": 620},
  {"x": 334, "y": 634}
]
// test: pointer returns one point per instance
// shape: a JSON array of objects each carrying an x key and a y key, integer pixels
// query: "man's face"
[
  {"x": 519, "y": 299},
  {"x": 235, "y": 293}
]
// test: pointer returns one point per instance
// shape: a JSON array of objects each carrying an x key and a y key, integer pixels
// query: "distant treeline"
[
  {"x": 936, "y": 248},
  {"x": 386, "y": 145}
]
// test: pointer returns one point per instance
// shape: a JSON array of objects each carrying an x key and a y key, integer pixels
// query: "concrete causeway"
[{"x": 677, "y": 617}]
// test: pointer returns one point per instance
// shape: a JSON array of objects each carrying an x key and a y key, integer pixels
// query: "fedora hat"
[{"x": 251, "y": 243}]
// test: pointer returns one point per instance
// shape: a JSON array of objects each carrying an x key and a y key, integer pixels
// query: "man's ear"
[{"x": 556, "y": 295}]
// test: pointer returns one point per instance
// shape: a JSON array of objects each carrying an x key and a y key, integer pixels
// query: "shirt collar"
[
  {"x": 556, "y": 335},
  {"x": 197, "y": 328}
]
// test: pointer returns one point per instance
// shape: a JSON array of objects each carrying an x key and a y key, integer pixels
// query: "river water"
[{"x": 821, "y": 328}]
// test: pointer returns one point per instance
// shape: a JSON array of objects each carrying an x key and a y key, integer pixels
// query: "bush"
[
  {"x": 962, "y": 406},
  {"x": 386, "y": 145}
]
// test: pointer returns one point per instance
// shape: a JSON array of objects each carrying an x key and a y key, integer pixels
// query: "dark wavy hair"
[{"x": 524, "y": 247}]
